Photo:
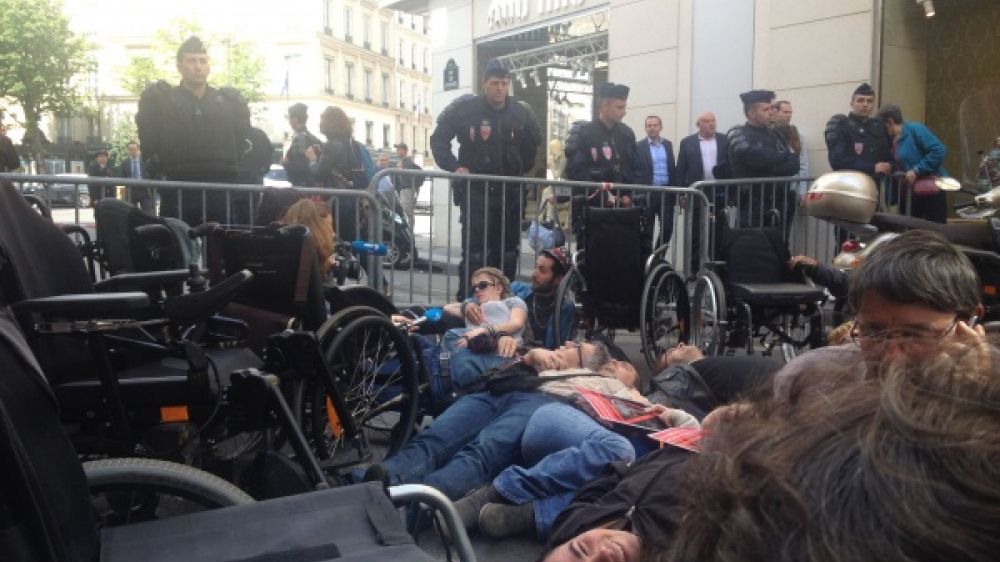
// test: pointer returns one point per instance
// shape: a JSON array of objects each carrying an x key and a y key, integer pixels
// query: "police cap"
[
  {"x": 865, "y": 89},
  {"x": 495, "y": 68},
  {"x": 299, "y": 111},
  {"x": 757, "y": 96},
  {"x": 610, "y": 90}
]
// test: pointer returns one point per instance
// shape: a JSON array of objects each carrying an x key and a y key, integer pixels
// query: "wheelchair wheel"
[
  {"x": 708, "y": 314},
  {"x": 665, "y": 312},
  {"x": 375, "y": 371},
  {"x": 570, "y": 286},
  {"x": 131, "y": 490}
]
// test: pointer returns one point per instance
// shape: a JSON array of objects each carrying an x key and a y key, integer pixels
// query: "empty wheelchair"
[
  {"x": 751, "y": 294},
  {"x": 349, "y": 374},
  {"x": 618, "y": 282}
]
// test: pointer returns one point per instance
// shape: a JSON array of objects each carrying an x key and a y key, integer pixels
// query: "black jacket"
[
  {"x": 598, "y": 154},
  {"x": 491, "y": 141},
  {"x": 690, "y": 168},
  {"x": 9, "y": 159},
  {"x": 855, "y": 143},
  {"x": 760, "y": 152},
  {"x": 296, "y": 163},
  {"x": 642, "y": 494},
  {"x": 184, "y": 137}
]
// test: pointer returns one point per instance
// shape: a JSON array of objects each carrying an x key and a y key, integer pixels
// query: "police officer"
[
  {"x": 857, "y": 141},
  {"x": 496, "y": 136},
  {"x": 603, "y": 150},
  {"x": 295, "y": 161},
  {"x": 757, "y": 150},
  {"x": 192, "y": 132}
]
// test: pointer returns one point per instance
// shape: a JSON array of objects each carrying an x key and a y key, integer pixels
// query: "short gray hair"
[
  {"x": 919, "y": 267},
  {"x": 598, "y": 359}
]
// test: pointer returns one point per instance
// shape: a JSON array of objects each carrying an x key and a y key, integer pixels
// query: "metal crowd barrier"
[
  {"x": 240, "y": 201},
  {"x": 436, "y": 275}
]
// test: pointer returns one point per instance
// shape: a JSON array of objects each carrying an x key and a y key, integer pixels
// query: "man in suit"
[
  {"x": 656, "y": 158},
  {"x": 131, "y": 167},
  {"x": 702, "y": 156}
]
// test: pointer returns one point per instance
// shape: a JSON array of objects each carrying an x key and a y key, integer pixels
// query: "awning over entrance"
[{"x": 580, "y": 53}]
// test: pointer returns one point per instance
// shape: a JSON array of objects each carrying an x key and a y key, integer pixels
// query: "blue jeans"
[
  {"x": 565, "y": 449},
  {"x": 467, "y": 368},
  {"x": 468, "y": 444}
]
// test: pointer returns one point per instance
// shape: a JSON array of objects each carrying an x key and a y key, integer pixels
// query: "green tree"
[
  {"x": 41, "y": 63},
  {"x": 124, "y": 132},
  {"x": 234, "y": 63}
]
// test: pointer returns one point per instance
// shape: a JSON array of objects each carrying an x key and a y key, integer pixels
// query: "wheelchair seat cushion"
[
  {"x": 351, "y": 523},
  {"x": 776, "y": 294},
  {"x": 755, "y": 255}
]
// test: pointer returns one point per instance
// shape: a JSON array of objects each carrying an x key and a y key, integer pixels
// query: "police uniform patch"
[
  {"x": 859, "y": 148},
  {"x": 606, "y": 150},
  {"x": 593, "y": 154},
  {"x": 485, "y": 129},
  {"x": 472, "y": 133}
]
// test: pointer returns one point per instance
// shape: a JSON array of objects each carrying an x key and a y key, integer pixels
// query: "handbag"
[
  {"x": 926, "y": 186},
  {"x": 545, "y": 235}
]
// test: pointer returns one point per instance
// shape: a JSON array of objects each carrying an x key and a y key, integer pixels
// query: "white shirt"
[{"x": 709, "y": 155}]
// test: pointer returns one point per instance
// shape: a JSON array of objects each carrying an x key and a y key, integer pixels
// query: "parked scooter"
[{"x": 848, "y": 200}]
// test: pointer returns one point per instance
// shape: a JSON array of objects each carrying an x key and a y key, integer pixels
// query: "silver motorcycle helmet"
[{"x": 842, "y": 196}]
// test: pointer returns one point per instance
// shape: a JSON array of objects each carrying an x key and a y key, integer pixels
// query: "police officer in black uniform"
[
  {"x": 496, "y": 136},
  {"x": 758, "y": 150},
  {"x": 603, "y": 150},
  {"x": 857, "y": 141},
  {"x": 296, "y": 163},
  {"x": 193, "y": 132}
]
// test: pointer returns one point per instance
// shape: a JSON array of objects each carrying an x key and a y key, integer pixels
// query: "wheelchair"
[
  {"x": 750, "y": 293},
  {"x": 47, "y": 498},
  {"x": 618, "y": 282}
]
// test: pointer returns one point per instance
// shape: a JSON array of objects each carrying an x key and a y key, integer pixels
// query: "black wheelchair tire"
[
  {"x": 569, "y": 282},
  {"x": 336, "y": 344},
  {"x": 663, "y": 281},
  {"x": 709, "y": 286},
  {"x": 142, "y": 475}
]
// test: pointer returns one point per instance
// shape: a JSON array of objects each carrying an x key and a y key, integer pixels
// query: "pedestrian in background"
[{"x": 920, "y": 154}]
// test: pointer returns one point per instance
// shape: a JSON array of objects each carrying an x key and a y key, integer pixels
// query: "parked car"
[
  {"x": 60, "y": 194},
  {"x": 277, "y": 177}
]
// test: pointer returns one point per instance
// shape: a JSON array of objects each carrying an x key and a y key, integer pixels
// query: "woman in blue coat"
[{"x": 920, "y": 154}]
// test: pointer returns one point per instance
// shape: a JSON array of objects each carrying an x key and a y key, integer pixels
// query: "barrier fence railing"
[
  {"x": 231, "y": 204},
  {"x": 426, "y": 258}
]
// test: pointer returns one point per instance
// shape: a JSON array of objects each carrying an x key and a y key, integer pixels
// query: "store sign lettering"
[{"x": 502, "y": 13}]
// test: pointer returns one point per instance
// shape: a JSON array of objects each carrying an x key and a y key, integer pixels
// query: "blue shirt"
[{"x": 658, "y": 153}]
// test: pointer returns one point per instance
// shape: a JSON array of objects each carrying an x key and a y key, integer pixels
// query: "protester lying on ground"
[
  {"x": 563, "y": 448},
  {"x": 911, "y": 291},
  {"x": 501, "y": 314},
  {"x": 480, "y": 434},
  {"x": 817, "y": 477}
]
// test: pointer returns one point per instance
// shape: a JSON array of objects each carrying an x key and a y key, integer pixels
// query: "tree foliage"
[
  {"x": 124, "y": 132},
  {"x": 234, "y": 63},
  {"x": 42, "y": 63}
]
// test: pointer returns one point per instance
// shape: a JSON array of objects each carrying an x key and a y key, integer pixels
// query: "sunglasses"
[{"x": 481, "y": 286}]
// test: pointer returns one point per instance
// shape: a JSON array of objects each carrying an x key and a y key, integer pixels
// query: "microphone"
[{"x": 370, "y": 248}]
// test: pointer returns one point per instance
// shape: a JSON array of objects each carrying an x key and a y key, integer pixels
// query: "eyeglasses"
[
  {"x": 860, "y": 331},
  {"x": 481, "y": 286}
]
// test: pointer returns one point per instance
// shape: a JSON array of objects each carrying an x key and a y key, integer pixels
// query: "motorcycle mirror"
[{"x": 948, "y": 184}]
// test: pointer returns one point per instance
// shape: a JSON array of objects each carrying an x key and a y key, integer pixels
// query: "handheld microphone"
[{"x": 369, "y": 248}]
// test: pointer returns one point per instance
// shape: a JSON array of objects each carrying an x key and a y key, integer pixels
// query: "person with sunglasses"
[
  {"x": 912, "y": 294},
  {"x": 502, "y": 314}
]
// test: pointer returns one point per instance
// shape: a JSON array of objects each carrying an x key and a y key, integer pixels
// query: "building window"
[
  {"x": 413, "y": 56},
  {"x": 349, "y": 80},
  {"x": 414, "y": 138},
  {"x": 413, "y": 96},
  {"x": 386, "y": 131},
  {"x": 402, "y": 86},
  {"x": 401, "y": 51},
  {"x": 368, "y": 85},
  {"x": 348, "y": 35},
  {"x": 423, "y": 56},
  {"x": 385, "y": 38},
  {"x": 427, "y": 142},
  {"x": 366, "y": 31},
  {"x": 329, "y": 74},
  {"x": 427, "y": 101},
  {"x": 385, "y": 89},
  {"x": 328, "y": 17},
  {"x": 369, "y": 129}
]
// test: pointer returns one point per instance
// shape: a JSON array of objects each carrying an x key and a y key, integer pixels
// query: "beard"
[{"x": 546, "y": 289}]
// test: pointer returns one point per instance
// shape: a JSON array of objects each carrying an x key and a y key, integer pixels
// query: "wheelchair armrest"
[
  {"x": 144, "y": 280},
  {"x": 192, "y": 307},
  {"x": 84, "y": 307}
]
